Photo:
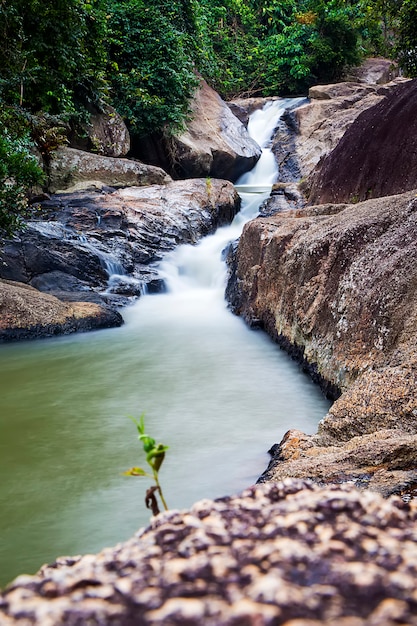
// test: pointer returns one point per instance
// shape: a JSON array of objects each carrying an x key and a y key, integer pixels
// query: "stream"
[{"x": 218, "y": 393}]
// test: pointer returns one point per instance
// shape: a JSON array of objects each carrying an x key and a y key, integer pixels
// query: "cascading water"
[
  {"x": 195, "y": 268},
  {"x": 216, "y": 392}
]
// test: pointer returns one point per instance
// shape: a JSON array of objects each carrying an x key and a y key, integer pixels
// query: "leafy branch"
[{"x": 155, "y": 454}]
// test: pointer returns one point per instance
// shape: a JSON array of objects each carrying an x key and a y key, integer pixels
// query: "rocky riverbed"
[{"x": 334, "y": 284}]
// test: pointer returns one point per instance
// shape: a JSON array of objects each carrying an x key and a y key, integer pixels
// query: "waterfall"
[{"x": 200, "y": 267}]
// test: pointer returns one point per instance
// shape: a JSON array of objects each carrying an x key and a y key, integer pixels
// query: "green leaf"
[{"x": 135, "y": 471}]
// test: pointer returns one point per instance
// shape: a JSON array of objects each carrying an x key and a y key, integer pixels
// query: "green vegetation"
[
  {"x": 155, "y": 454},
  {"x": 19, "y": 171},
  {"x": 66, "y": 59}
]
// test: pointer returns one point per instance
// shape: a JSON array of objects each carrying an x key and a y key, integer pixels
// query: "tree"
[
  {"x": 53, "y": 56},
  {"x": 151, "y": 75},
  {"x": 406, "y": 47},
  {"x": 314, "y": 43}
]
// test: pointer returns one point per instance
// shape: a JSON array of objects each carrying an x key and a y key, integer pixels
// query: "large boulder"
[
  {"x": 288, "y": 554},
  {"x": 215, "y": 142},
  {"x": 335, "y": 285},
  {"x": 375, "y": 71},
  {"x": 26, "y": 313},
  {"x": 313, "y": 130},
  {"x": 377, "y": 156},
  {"x": 69, "y": 167}
]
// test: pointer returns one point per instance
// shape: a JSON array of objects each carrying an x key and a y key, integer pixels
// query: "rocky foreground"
[{"x": 288, "y": 553}]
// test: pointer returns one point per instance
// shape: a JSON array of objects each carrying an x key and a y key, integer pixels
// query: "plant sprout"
[{"x": 155, "y": 454}]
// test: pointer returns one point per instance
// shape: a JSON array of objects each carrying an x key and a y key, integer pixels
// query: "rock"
[
  {"x": 92, "y": 236},
  {"x": 377, "y": 156},
  {"x": 105, "y": 134},
  {"x": 335, "y": 286},
  {"x": 215, "y": 142},
  {"x": 69, "y": 167},
  {"x": 311, "y": 131},
  {"x": 288, "y": 553},
  {"x": 26, "y": 313},
  {"x": 284, "y": 197},
  {"x": 375, "y": 71}
]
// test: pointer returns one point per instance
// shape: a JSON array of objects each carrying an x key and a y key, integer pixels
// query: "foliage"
[
  {"x": 62, "y": 59},
  {"x": 155, "y": 455},
  {"x": 314, "y": 43},
  {"x": 225, "y": 44},
  {"x": 406, "y": 47},
  {"x": 151, "y": 75},
  {"x": 53, "y": 54},
  {"x": 19, "y": 171}
]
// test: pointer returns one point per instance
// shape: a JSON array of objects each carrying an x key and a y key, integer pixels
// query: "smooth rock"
[
  {"x": 314, "y": 129},
  {"x": 26, "y": 313},
  {"x": 377, "y": 155},
  {"x": 215, "y": 142},
  {"x": 375, "y": 71}
]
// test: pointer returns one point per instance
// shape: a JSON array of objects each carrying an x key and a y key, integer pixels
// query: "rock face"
[
  {"x": 310, "y": 132},
  {"x": 376, "y": 156},
  {"x": 69, "y": 167},
  {"x": 215, "y": 142},
  {"x": 335, "y": 285},
  {"x": 25, "y": 313},
  {"x": 283, "y": 554},
  {"x": 106, "y": 134},
  {"x": 92, "y": 236}
]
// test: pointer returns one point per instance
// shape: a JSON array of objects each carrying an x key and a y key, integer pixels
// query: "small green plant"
[{"x": 155, "y": 454}]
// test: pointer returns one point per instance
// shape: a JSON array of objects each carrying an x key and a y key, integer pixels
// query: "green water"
[{"x": 216, "y": 392}]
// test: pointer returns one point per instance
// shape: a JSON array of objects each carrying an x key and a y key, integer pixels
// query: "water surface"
[{"x": 216, "y": 392}]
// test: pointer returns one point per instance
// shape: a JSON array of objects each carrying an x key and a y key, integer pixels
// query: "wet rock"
[
  {"x": 288, "y": 553},
  {"x": 69, "y": 167},
  {"x": 284, "y": 197},
  {"x": 26, "y": 313},
  {"x": 377, "y": 156},
  {"x": 335, "y": 286},
  {"x": 88, "y": 238}
]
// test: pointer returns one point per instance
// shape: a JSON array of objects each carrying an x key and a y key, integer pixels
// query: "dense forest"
[{"x": 61, "y": 60}]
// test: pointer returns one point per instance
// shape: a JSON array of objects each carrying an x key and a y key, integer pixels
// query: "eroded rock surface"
[
  {"x": 336, "y": 286},
  {"x": 310, "y": 132},
  {"x": 87, "y": 237},
  {"x": 280, "y": 554},
  {"x": 26, "y": 313}
]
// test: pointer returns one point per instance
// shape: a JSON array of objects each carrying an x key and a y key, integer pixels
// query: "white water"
[
  {"x": 216, "y": 392},
  {"x": 195, "y": 269}
]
